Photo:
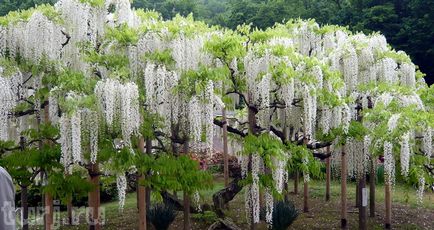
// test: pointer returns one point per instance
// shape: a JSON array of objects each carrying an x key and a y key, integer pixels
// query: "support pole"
[
  {"x": 24, "y": 208},
  {"x": 328, "y": 175},
  {"x": 388, "y": 201},
  {"x": 49, "y": 224},
  {"x": 305, "y": 189},
  {"x": 372, "y": 178},
  {"x": 306, "y": 196},
  {"x": 343, "y": 189},
  {"x": 363, "y": 199},
  {"x": 141, "y": 193},
  {"x": 148, "y": 189},
  {"x": 69, "y": 211},
  {"x": 94, "y": 198}
]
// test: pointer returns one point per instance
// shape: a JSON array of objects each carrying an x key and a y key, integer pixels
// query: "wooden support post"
[
  {"x": 24, "y": 208},
  {"x": 328, "y": 175},
  {"x": 94, "y": 198},
  {"x": 388, "y": 201},
  {"x": 306, "y": 196},
  {"x": 305, "y": 188},
  {"x": 343, "y": 189},
  {"x": 372, "y": 178},
  {"x": 147, "y": 189},
  {"x": 49, "y": 224},
  {"x": 141, "y": 193},
  {"x": 69, "y": 211},
  {"x": 363, "y": 199}
]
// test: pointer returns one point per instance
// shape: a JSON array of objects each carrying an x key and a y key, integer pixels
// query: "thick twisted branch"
[{"x": 230, "y": 128}]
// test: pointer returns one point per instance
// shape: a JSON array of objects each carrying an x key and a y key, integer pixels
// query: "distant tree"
[{"x": 11, "y": 5}]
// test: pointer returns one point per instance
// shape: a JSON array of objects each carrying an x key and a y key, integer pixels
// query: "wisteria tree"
[{"x": 131, "y": 93}]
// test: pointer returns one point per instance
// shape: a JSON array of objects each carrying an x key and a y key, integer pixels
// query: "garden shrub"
[
  {"x": 284, "y": 214},
  {"x": 161, "y": 216}
]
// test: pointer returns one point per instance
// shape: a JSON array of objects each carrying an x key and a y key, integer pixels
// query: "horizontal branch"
[
  {"x": 312, "y": 146},
  {"x": 29, "y": 111},
  {"x": 322, "y": 156},
  {"x": 230, "y": 128}
]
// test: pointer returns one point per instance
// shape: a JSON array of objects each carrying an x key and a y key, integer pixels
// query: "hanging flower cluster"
[
  {"x": 120, "y": 105},
  {"x": 269, "y": 205},
  {"x": 252, "y": 192},
  {"x": 81, "y": 126},
  {"x": 90, "y": 127},
  {"x": 121, "y": 183},
  {"x": 200, "y": 119},
  {"x": 187, "y": 52},
  {"x": 420, "y": 189},
  {"x": 159, "y": 85},
  {"x": 427, "y": 142},
  {"x": 34, "y": 39},
  {"x": 76, "y": 137},
  {"x": 7, "y": 103},
  {"x": 66, "y": 143},
  {"x": 405, "y": 154},
  {"x": 389, "y": 162},
  {"x": 280, "y": 173},
  {"x": 357, "y": 158},
  {"x": 196, "y": 199},
  {"x": 53, "y": 109}
]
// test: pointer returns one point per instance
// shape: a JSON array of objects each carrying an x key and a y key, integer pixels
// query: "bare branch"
[{"x": 68, "y": 38}]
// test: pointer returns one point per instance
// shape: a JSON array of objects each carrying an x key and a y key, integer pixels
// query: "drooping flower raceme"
[
  {"x": 389, "y": 163},
  {"x": 119, "y": 103},
  {"x": 121, "y": 183},
  {"x": 405, "y": 154},
  {"x": 7, "y": 103}
]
